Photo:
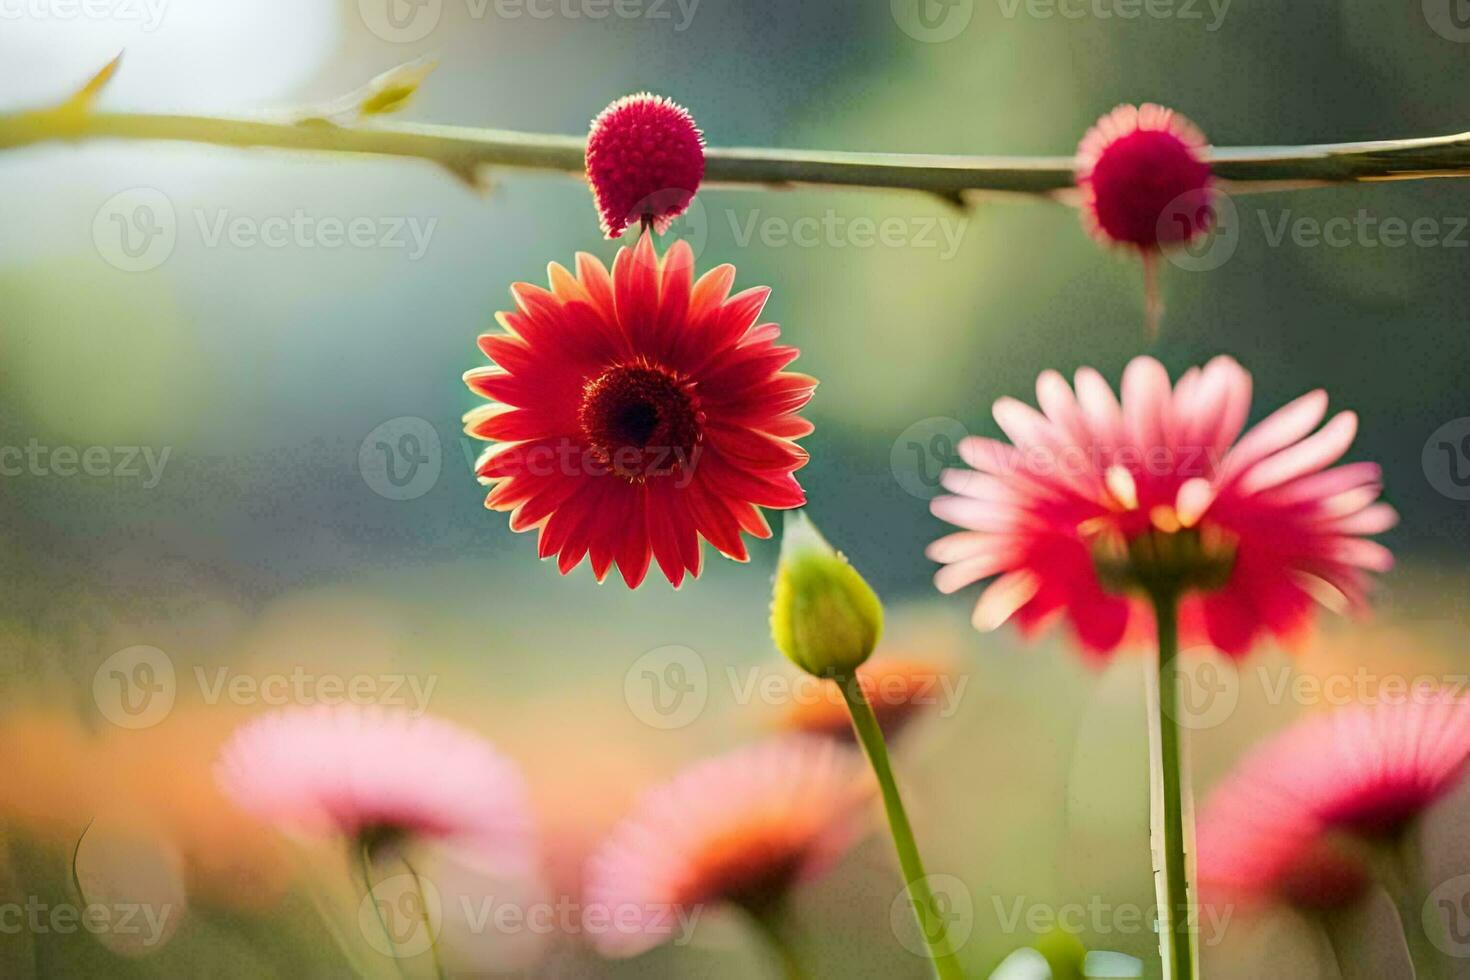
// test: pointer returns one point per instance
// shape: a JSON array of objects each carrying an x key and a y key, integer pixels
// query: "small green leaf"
[{"x": 391, "y": 90}]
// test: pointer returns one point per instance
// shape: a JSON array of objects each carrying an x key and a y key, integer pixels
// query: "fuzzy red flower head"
[
  {"x": 1144, "y": 179},
  {"x": 1098, "y": 499},
  {"x": 638, "y": 411},
  {"x": 645, "y": 159}
]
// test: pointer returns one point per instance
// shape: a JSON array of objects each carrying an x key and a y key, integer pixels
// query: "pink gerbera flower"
[
  {"x": 380, "y": 778},
  {"x": 1276, "y": 825},
  {"x": 742, "y": 828},
  {"x": 637, "y": 412},
  {"x": 645, "y": 159},
  {"x": 1263, "y": 525}
]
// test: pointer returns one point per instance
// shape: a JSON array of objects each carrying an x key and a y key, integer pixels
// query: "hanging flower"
[
  {"x": 1282, "y": 823},
  {"x": 637, "y": 412},
  {"x": 1145, "y": 185},
  {"x": 1144, "y": 178},
  {"x": 381, "y": 779},
  {"x": 1097, "y": 499},
  {"x": 742, "y": 828},
  {"x": 645, "y": 159}
]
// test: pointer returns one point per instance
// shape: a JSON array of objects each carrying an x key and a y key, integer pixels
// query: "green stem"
[
  {"x": 366, "y": 864},
  {"x": 770, "y": 923},
  {"x": 1171, "y": 869},
  {"x": 1325, "y": 926},
  {"x": 1398, "y": 867},
  {"x": 418, "y": 885},
  {"x": 921, "y": 897},
  {"x": 462, "y": 150}
]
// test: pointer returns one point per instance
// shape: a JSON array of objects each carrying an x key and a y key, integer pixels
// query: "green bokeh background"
[{"x": 262, "y": 371}]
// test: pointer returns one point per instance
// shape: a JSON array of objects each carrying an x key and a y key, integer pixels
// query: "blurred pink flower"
[
  {"x": 743, "y": 828},
  {"x": 1273, "y": 826},
  {"x": 1167, "y": 463},
  {"x": 380, "y": 776},
  {"x": 899, "y": 690}
]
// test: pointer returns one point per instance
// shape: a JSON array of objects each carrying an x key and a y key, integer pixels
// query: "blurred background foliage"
[{"x": 261, "y": 371}]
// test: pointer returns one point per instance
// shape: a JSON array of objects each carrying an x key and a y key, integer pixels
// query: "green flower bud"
[{"x": 824, "y": 617}]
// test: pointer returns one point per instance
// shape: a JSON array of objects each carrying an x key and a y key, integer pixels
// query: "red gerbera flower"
[
  {"x": 637, "y": 412},
  {"x": 645, "y": 159},
  {"x": 1167, "y": 467}
]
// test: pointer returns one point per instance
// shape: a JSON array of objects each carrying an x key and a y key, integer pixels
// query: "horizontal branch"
[{"x": 466, "y": 151}]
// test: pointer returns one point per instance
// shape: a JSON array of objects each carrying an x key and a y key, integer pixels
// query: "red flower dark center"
[{"x": 641, "y": 421}]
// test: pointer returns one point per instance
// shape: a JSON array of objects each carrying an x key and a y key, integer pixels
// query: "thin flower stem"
[
  {"x": 464, "y": 150},
  {"x": 1171, "y": 868},
  {"x": 366, "y": 864},
  {"x": 770, "y": 923},
  {"x": 418, "y": 885},
  {"x": 1333, "y": 932},
  {"x": 931, "y": 923},
  {"x": 1398, "y": 866}
]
